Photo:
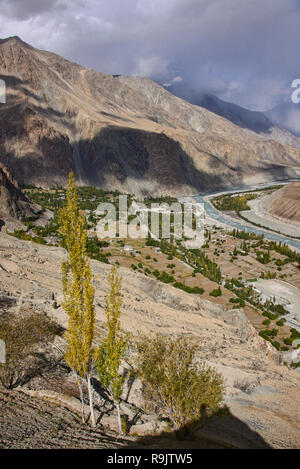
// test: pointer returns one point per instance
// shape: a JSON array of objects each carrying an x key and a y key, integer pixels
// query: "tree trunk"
[
  {"x": 119, "y": 417},
  {"x": 79, "y": 384},
  {"x": 91, "y": 400}
]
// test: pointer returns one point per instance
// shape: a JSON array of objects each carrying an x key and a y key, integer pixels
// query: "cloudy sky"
[{"x": 245, "y": 51}]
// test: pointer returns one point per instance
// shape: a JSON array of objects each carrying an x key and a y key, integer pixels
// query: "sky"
[{"x": 244, "y": 51}]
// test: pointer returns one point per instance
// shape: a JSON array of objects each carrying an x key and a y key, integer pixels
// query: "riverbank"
[
  {"x": 228, "y": 221},
  {"x": 260, "y": 214}
]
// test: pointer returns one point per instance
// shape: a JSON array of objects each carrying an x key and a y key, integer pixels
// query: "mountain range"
[
  {"x": 127, "y": 133},
  {"x": 285, "y": 116}
]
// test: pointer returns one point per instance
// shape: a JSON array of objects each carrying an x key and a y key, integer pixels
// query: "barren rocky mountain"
[
  {"x": 240, "y": 116},
  {"x": 261, "y": 393},
  {"x": 286, "y": 203},
  {"x": 13, "y": 203},
  {"x": 272, "y": 122},
  {"x": 124, "y": 133},
  {"x": 278, "y": 211}
]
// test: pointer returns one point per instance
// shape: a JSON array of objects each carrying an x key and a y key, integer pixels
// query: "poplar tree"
[
  {"x": 111, "y": 351},
  {"x": 78, "y": 293}
]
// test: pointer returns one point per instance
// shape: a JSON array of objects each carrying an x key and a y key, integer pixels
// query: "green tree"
[
  {"x": 174, "y": 379},
  {"x": 111, "y": 351},
  {"x": 78, "y": 293}
]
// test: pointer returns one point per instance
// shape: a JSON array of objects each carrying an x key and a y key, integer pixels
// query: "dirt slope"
[
  {"x": 286, "y": 203},
  {"x": 259, "y": 392}
]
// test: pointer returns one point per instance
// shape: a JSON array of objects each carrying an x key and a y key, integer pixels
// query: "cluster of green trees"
[
  {"x": 237, "y": 302},
  {"x": 294, "y": 336},
  {"x": 203, "y": 264},
  {"x": 21, "y": 234},
  {"x": 268, "y": 275},
  {"x": 188, "y": 289},
  {"x": 216, "y": 292},
  {"x": 196, "y": 258},
  {"x": 279, "y": 247},
  {"x": 46, "y": 199},
  {"x": 269, "y": 335},
  {"x": 240, "y": 234},
  {"x": 94, "y": 247},
  {"x": 235, "y": 203},
  {"x": 263, "y": 257},
  {"x": 285, "y": 250},
  {"x": 89, "y": 197},
  {"x": 165, "y": 277},
  {"x": 270, "y": 308}
]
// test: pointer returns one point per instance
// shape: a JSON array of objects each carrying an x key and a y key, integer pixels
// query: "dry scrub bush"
[
  {"x": 175, "y": 382},
  {"x": 25, "y": 335}
]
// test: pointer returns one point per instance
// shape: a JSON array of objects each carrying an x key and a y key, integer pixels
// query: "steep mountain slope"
[
  {"x": 238, "y": 115},
  {"x": 123, "y": 132},
  {"x": 13, "y": 203},
  {"x": 281, "y": 122},
  {"x": 286, "y": 203}
]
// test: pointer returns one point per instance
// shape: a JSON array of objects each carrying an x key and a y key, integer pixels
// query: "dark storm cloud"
[
  {"x": 243, "y": 50},
  {"x": 24, "y": 9}
]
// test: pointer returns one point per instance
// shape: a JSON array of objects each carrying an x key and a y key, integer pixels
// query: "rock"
[
  {"x": 237, "y": 379},
  {"x": 148, "y": 428},
  {"x": 13, "y": 203}
]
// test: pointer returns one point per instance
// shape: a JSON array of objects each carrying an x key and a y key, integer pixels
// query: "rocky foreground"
[
  {"x": 262, "y": 395},
  {"x": 30, "y": 423}
]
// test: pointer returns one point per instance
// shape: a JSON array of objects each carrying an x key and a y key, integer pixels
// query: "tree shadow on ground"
[{"x": 220, "y": 430}]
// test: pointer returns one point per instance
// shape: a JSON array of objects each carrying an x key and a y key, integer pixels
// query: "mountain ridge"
[
  {"x": 122, "y": 132},
  {"x": 281, "y": 116}
]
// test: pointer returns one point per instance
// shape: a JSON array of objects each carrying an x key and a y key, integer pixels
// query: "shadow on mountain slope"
[
  {"x": 146, "y": 157},
  {"x": 127, "y": 159},
  {"x": 222, "y": 430}
]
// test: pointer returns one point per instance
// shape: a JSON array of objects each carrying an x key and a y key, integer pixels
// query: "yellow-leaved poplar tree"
[
  {"x": 78, "y": 293},
  {"x": 111, "y": 351}
]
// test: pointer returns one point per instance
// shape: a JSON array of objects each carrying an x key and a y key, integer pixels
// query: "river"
[{"x": 216, "y": 215}]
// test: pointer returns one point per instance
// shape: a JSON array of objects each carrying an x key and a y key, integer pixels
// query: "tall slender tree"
[
  {"x": 111, "y": 351},
  {"x": 78, "y": 293}
]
